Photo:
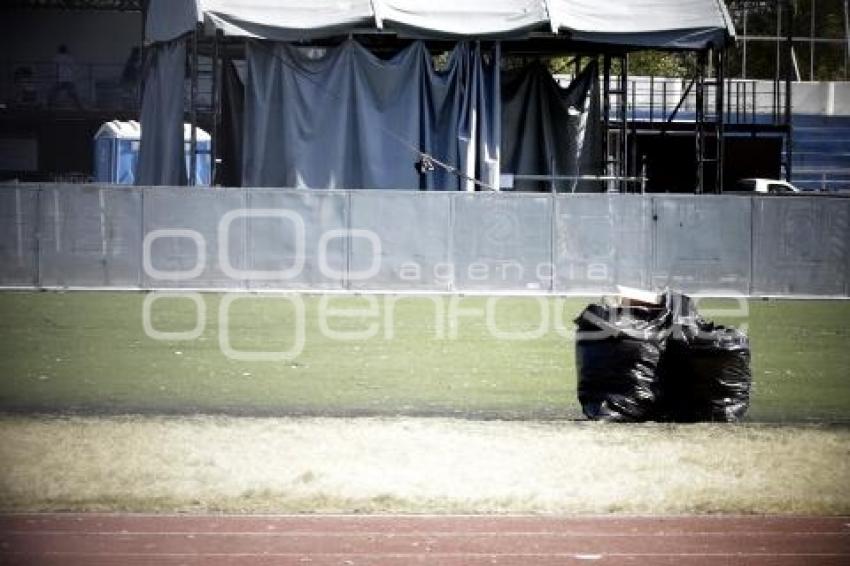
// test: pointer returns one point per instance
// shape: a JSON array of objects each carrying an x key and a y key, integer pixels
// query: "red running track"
[{"x": 346, "y": 540}]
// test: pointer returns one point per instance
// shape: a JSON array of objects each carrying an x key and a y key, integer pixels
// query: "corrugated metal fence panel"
[
  {"x": 502, "y": 241},
  {"x": 168, "y": 237},
  {"x": 18, "y": 233},
  {"x": 702, "y": 244},
  {"x": 184, "y": 228},
  {"x": 90, "y": 236},
  {"x": 296, "y": 239},
  {"x": 413, "y": 234},
  {"x": 601, "y": 241},
  {"x": 801, "y": 246}
]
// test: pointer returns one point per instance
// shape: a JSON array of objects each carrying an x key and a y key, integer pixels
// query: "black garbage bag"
[
  {"x": 705, "y": 373},
  {"x": 618, "y": 350}
]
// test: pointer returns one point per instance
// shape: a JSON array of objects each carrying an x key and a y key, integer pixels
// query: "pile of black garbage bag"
[{"x": 661, "y": 363}]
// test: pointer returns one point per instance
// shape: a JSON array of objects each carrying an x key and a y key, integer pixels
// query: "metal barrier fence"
[{"x": 57, "y": 236}]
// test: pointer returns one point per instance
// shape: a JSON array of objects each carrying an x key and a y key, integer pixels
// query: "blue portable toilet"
[{"x": 116, "y": 152}]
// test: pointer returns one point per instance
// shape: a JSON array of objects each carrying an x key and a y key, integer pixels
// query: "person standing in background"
[{"x": 64, "y": 66}]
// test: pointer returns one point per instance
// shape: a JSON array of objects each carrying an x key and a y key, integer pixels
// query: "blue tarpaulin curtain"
[
  {"x": 345, "y": 118},
  {"x": 161, "y": 153},
  {"x": 549, "y": 130}
]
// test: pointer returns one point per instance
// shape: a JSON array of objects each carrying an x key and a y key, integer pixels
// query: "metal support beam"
[
  {"x": 789, "y": 51},
  {"x": 812, "y": 43},
  {"x": 216, "y": 104},
  {"x": 846, "y": 33},
  {"x": 606, "y": 112},
  {"x": 777, "y": 68},
  {"x": 744, "y": 64},
  {"x": 682, "y": 100},
  {"x": 720, "y": 78},
  {"x": 699, "y": 125},
  {"x": 622, "y": 146},
  {"x": 615, "y": 148}
]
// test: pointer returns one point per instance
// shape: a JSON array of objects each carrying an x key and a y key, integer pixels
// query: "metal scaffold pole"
[
  {"x": 216, "y": 104},
  {"x": 699, "y": 134},
  {"x": 846, "y": 34},
  {"x": 720, "y": 77},
  {"x": 622, "y": 146},
  {"x": 606, "y": 113},
  {"x": 789, "y": 47}
]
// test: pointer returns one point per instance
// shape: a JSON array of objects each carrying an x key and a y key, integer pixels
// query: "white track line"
[{"x": 397, "y": 534}]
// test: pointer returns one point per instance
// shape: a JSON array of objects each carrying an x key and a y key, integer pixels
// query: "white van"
[{"x": 765, "y": 186}]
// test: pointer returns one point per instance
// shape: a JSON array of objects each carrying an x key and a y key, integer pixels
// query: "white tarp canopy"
[{"x": 688, "y": 24}]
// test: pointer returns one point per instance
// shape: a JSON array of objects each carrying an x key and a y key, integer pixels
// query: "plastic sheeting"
[
  {"x": 618, "y": 351},
  {"x": 161, "y": 149},
  {"x": 705, "y": 374},
  {"x": 169, "y": 19},
  {"x": 547, "y": 130},
  {"x": 229, "y": 172},
  {"x": 18, "y": 243},
  {"x": 663, "y": 362},
  {"x": 650, "y": 23},
  {"x": 165, "y": 237},
  {"x": 349, "y": 119}
]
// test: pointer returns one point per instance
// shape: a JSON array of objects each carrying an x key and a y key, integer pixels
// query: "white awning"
[{"x": 687, "y": 24}]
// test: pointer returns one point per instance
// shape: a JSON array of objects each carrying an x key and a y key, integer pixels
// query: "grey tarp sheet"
[
  {"x": 648, "y": 23},
  {"x": 550, "y": 130},
  {"x": 463, "y": 18},
  {"x": 161, "y": 152},
  {"x": 229, "y": 172},
  {"x": 169, "y": 19},
  {"x": 349, "y": 119},
  {"x": 289, "y": 20}
]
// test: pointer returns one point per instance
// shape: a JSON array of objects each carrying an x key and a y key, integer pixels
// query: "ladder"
[
  {"x": 709, "y": 124},
  {"x": 615, "y": 128}
]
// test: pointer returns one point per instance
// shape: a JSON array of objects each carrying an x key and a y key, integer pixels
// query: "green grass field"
[{"x": 88, "y": 351}]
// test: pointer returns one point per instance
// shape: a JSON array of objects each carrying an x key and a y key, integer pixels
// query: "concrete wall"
[{"x": 57, "y": 236}]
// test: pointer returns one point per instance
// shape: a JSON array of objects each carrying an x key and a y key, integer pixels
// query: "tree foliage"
[{"x": 815, "y": 61}]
